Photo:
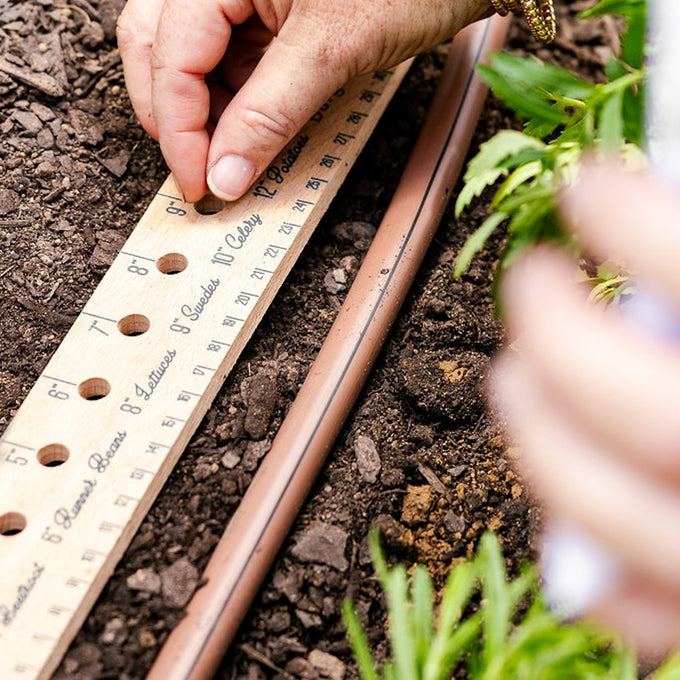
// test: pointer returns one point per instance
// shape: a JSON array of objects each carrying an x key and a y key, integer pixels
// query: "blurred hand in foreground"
[
  {"x": 223, "y": 96},
  {"x": 594, "y": 400}
]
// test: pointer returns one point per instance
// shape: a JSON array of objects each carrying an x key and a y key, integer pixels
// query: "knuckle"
[{"x": 270, "y": 127}]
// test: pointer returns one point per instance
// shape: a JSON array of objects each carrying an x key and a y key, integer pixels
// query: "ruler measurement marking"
[
  {"x": 19, "y": 446},
  {"x": 90, "y": 555},
  {"x": 172, "y": 198},
  {"x": 41, "y": 638},
  {"x": 75, "y": 582},
  {"x": 22, "y": 668},
  {"x": 58, "y": 610},
  {"x": 188, "y": 395},
  {"x": 123, "y": 500},
  {"x": 140, "y": 473},
  {"x": 279, "y": 211},
  {"x": 98, "y": 316},
  {"x": 137, "y": 257},
  {"x": 58, "y": 380}
]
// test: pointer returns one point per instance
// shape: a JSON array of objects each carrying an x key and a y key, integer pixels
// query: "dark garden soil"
[{"x": 420, "y": 456}]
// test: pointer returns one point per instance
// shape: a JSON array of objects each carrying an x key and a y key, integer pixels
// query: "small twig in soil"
[
  {"x": 434, "y": 481},
  {"x": 91, "y": 11},
  {"x": 40, "y": 81},
  {"x": 55, "y": 193},
  {"x": 17, "y": 222},
  {"x": 261, "y": 658}
]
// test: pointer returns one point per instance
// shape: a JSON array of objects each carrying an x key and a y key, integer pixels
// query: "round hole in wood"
[
  {"x": 209, "y": 205},
  {"x": 52, "y": 455},
  {"x": 134, "y": 324},
  {"x": 12, "y": 523},
  {"x": 94, "y": 388},
  {"x": 172, "y": 263}
]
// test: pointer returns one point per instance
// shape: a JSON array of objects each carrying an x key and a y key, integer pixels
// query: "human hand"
[
  {"x": 223, "y": 96},
  {"x": 594, "y": 400}
]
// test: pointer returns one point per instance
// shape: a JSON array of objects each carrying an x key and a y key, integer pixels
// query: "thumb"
[{"x": 292, "y": 80}]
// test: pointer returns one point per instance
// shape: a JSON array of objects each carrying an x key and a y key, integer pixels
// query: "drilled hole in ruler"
[
  {"x": 12, "y": 523},
  {"x": 94, "y": 388},
  {"x": 134, "y": 324},
  {"x": 172, "y": 263},
  {"x": 209, "y": 205},
  {"x": 53, "y": 455}
]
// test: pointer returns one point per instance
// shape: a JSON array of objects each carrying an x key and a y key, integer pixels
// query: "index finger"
[{"x": 191, "y": 39}]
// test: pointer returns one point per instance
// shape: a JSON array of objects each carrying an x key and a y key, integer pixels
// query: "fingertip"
[
  {"x": 532, "y": 280},
  {"x": 231, "y": 176}
]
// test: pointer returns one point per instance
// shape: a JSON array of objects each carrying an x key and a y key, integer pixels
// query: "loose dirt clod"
[
  {"x": 324, "y": 544},
  {"x": 178, "y": 582}
]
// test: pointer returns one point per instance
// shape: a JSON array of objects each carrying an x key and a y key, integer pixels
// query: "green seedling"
[
  {"x": 565, "y": 116},
  {"x": 487, "y": 626}
]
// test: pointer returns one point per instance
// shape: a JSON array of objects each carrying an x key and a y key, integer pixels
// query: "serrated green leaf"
[
  {"x": 539, "y": 128},
  {"x": 621, "y": 7},
  {"x": 611, "y": 122},
  {"x": 487, "y": 166},
  {"x": 531, "y": 87},
  {"x": 476, "y": 241},
  {"x": 519, "y": 176},
  {"x": 539, "y": 194}
]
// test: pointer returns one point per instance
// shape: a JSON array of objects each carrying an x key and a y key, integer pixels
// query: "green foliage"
[
  {"x": 506, "y": 633},
  {"x": 565, "y": 116}
]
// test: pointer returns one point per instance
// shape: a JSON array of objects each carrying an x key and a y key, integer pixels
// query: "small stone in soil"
[
  {"x": 254, "y": 452},
  {"x": 83, "y": 661},
  {"x": 368, "y": 458},
  {"x": 179, "y": 581},
  {"x": 453, "y": 522},
  {"x": 145, "y": 580},
  {"x": 115, "y": 632},
  {"x": 260, "y": 393},
  {"x": 308, "y": 619},
  {"x": 322, "y": 543},
  {"x": 289, "y": 584},
  {"x": 329, "y": 665},
  {"x": 332, "y": 283},
  {"x": 278, "y": 622},
  {"x": 9, "y": 201},
  {"x": 146, "y": 638},
  {"x": 231, "y": 458}
]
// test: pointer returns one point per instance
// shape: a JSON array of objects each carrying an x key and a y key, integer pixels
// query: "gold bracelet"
[{"x": 540, "y": 15}]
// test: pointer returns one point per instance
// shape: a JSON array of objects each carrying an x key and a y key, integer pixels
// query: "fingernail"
[
  {"x": 230, "y": 177},
  {"x": 179, "y": 189}
]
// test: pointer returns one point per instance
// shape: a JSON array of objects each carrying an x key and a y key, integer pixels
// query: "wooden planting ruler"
[{"x": 99, "y": 433}]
